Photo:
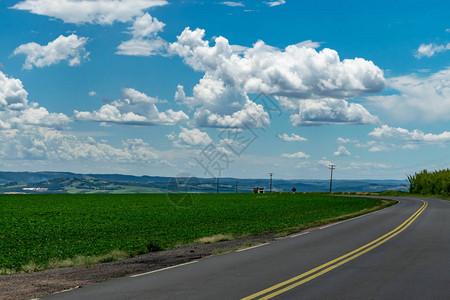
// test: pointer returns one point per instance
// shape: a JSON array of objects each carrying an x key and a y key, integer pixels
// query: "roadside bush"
[{"x": 430, "y": 183}]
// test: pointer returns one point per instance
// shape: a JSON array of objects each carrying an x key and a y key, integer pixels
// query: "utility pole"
[
  {"x": 236, "y": 187},
  {"x": 270, "y": 188},
  {"x": 217, "y": 185},
  {"x": 331, "y": 167}
]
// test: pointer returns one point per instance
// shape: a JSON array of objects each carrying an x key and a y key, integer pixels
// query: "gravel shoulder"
[{"x": 31, "y": 285}]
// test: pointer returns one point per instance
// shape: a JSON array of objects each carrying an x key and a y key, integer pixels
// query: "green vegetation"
[
  {"x": 430, "y": 183},
  {"x": 42, "y": 231}
]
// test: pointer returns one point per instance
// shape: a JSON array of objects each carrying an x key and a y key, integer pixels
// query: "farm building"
[{"x": 258, "y": 190}]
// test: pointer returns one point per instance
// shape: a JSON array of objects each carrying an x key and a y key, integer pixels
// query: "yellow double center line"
[{"x": 327, "y": 267}]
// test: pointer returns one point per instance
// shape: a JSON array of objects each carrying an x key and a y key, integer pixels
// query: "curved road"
[{"x": 401, "y": 252}]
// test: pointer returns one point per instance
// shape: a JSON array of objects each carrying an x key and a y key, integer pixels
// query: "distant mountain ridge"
[
  {"x": 33, "y": 177},
  {"x": 59, "y": 182}
]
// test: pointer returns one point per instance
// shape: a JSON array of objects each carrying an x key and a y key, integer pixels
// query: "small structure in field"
[{"x": 258, "y": 190}]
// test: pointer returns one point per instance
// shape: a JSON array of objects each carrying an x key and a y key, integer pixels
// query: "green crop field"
[{"x": 40, "y": 229}]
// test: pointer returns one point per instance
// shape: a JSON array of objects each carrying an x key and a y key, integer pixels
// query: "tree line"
[{"x": 430, "y": 183}]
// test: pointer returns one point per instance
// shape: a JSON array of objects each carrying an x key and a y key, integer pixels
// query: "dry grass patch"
[
  {"x": 215, "y": 238},
  {"x": 366, "y": 194},
  {"x": 80, "y": 260},
  {"x": 76, "y": 261}
]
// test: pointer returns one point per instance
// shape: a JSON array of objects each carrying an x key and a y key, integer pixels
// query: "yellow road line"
[{"x": 336, "y": 262}]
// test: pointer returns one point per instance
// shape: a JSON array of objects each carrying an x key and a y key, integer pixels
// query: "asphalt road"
[{"x": 401, "y": 252}]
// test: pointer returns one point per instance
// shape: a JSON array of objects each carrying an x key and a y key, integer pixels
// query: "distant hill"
[
  {"x": 30, "y": 177},
  {"x": 66, "y": 182}
]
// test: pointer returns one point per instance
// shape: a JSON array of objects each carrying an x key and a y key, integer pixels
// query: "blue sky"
[{"x": 225, "y": 88}]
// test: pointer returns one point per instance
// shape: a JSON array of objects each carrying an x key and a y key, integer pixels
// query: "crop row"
[{"x": 41, "y": 228}]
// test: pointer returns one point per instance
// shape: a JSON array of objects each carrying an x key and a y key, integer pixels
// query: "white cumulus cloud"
[
  {"x": 134, "y": 108},
  {"x": 145, "y": 41},
  {"x": 378, "y": 146},
  {"x": 366, "y": 166},
  {"x": 300, "y": 72},
  {"x": 223, "y": 107},
  {"x": 297, "y": 72},
  {"x": 345, "y": 140},
  {"x": 291, "y": 138},
  {"x": 342, "y": 151},
  {"x": 308, "y": 44},
  {"x": 382, "y": 146},
  {"x": 327, "y": 111},
  {"x": 141, "y": 47},
  {"x": 232, "y": 3},
  {"x": 300, "y": 155},
  {"x": 324, "y": 162},
  {"x": 34, "y": 115},
  {"x": 251, "y": 115},
  {"x": 65, "y": 48},
  {"x": 276, "y": 3},
  {"x": 416, "y": 97},
  {"x": 387, "y": 132},
  {"x": 12, "y": 94},
  {"x": 430, "y": 50},
  {"x": 50, "y": 144},
  {"x": 104, "y": 12},
  {"x": 16, "y": 111},
  {"x": 189, "y": 137}
]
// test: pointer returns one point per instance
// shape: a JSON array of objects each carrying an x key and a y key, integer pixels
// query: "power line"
[
  {"x": 331, "y": 167},
  {"x": 270, "y": 187}
]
